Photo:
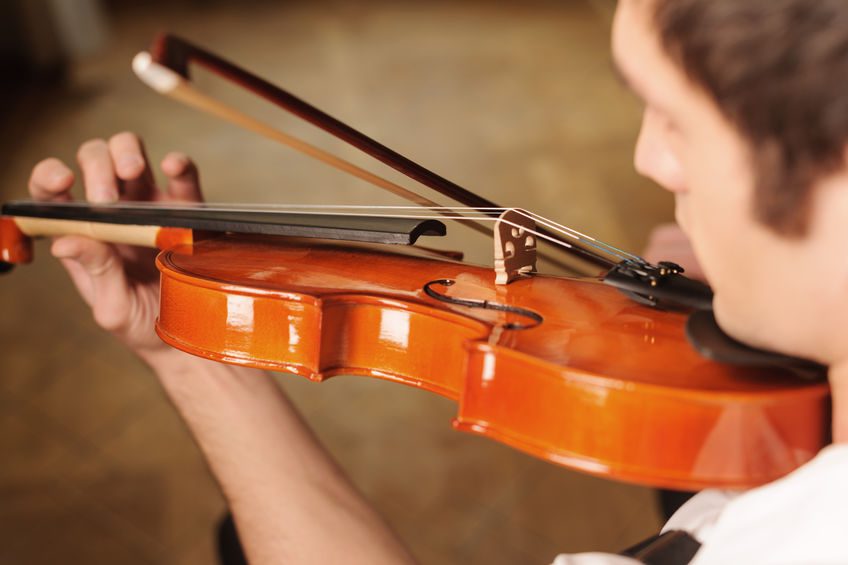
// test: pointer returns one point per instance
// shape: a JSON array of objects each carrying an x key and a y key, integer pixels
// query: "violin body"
[
  {"x": 571, "y": 370},
  {"x": 600, "y": 384}
]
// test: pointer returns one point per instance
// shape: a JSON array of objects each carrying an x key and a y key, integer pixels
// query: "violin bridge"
[{"x": 515, "y": 246}]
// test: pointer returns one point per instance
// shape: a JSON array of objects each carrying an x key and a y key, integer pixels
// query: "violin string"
[
  {"x": 282, "y": 208},
  {"x": 472, "y": 214},
  {"x": 249, "y": 207},
  {"x": 479, "y": 214},
  {"x": 483, "y": 212},
  {"x": 465, "y": 210},
  {"x": 583, "y": 237}
]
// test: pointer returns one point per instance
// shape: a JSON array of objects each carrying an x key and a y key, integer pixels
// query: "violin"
[{"x": 622, "y": 373}]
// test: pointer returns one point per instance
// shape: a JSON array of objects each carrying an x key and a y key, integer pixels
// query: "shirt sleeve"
[
  {"x": 697, "y": 517},
  {"x": 594, "y": 559},
  {"x": 800, "y": 518}
]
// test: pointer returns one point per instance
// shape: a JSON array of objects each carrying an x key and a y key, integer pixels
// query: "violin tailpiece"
[{"x": 515, "y": 246}]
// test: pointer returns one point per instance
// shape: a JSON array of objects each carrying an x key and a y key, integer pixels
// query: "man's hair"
[{"x": 778, "y": 70}]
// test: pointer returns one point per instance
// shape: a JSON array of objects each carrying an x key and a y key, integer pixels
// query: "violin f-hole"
[{"x": 534, "y": 317}]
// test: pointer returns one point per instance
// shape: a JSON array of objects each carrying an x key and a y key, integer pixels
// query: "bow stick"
[{"x": 165, "y": 69}]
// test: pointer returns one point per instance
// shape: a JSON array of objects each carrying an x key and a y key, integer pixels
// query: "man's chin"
[
  {"x": 744, "y": 326},
  {"x": 730, "y": 320}
]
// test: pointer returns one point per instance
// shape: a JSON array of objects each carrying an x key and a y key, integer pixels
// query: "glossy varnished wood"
[
  {"x": 15, "y": 247},
  {"x": 602, "y": 384}
]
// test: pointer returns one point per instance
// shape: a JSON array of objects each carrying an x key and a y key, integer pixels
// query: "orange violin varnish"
[
  {"x": 15, "y": 247},
  {"x": 569, "y": 370},
  {"x": 602, "y": 384}
]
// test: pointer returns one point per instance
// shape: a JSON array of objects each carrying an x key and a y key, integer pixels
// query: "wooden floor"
[{"x": 513, "y": 100}]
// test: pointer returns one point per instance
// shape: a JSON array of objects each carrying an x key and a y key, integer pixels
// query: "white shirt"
[{"x": 799, "y": 519}]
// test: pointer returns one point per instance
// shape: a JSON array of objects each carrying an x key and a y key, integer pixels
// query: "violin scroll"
[{"x": 15, "y": 246}]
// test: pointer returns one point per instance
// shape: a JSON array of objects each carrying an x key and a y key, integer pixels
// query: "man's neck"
[{"x": 838, "y": 377}]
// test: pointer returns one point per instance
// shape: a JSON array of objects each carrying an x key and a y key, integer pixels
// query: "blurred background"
[{"x": 513, "y": 100}]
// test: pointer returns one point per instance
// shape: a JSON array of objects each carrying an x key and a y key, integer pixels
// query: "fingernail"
[
  {"x": 61, "y": 173},
  {"x": 131, "y": 164},
  {"x": 106, "y": 195},
  {"x": 178, "y": 163},
  {"x": 60, "y": 176}
]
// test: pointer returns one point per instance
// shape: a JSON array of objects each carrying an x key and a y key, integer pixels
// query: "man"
[{"x": 746, "y": 121}]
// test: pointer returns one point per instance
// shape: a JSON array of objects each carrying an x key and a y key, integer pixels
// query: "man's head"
[
  {"x": 746, "y": 121},
  {"x": 774, "y": 68}
]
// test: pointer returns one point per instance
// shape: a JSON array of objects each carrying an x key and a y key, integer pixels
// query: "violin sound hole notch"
[{"x": 534, "y": 318}]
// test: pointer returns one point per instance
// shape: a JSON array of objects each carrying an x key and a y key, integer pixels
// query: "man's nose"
[{"x": 654, "y": 158}]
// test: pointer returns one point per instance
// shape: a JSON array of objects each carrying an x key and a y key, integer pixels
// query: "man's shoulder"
[{"x": 800, "y": 518}]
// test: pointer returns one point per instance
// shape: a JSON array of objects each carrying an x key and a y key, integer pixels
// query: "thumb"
[{"x": 98, "y": 273}]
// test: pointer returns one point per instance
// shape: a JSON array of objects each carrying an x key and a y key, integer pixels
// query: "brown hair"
[{"x": 778, "y": 70}]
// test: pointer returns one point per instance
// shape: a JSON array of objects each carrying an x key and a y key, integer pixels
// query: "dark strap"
[{"x": 674, "y": 547}]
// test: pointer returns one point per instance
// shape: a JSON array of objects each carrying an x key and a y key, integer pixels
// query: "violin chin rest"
[
  {"x": 709, "y": 340},
  {"x": 5, "y": 267}
]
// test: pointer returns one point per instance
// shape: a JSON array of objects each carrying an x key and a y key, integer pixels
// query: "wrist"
[
  {"x": 190, "y": 380},
  {"x": 165, "y": 359}
]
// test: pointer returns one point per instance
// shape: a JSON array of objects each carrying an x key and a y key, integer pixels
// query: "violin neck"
[{"x": 149, "y": 225}]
